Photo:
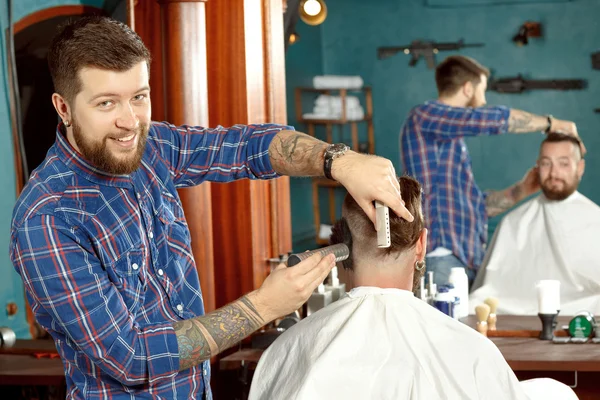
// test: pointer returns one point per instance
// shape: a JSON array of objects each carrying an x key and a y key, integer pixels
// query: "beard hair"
[
  {"x": 559, "y": 195},
  {"x": 100, "y": 156}
]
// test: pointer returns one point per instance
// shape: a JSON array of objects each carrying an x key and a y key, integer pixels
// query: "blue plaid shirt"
[
  {"x": 434, "y": 152},
  {"x": 106, "y": 260}
]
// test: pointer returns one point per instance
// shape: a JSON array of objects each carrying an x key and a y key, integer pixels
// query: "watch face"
[{"x": 337, "y": 148}]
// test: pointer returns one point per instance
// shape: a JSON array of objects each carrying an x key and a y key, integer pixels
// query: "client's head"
[
  {"x": 394, "y": 267},
  {"x": 560, "y": 166}
]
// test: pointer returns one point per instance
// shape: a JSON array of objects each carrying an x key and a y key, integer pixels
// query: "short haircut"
[
  {"x": 554, "y": 137},
  {"x": 356, "y": 230},
  {"x": 92, "y": 41},
  {"x": 455, "y": 71}
]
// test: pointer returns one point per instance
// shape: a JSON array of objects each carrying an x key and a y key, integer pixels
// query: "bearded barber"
[{"x": 434, "y": 152}]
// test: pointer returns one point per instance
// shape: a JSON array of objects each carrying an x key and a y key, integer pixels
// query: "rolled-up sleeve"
[
  {"x": 197, "y": 154},
  {"x": 66, "y": 280},
  {"x": 448, "y": 123}
]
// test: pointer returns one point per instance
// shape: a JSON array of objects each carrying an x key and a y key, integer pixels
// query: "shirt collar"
[{"x": 75, "y": 161}]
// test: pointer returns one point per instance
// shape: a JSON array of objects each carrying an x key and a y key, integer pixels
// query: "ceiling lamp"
[{"x": 313, "y": 12}]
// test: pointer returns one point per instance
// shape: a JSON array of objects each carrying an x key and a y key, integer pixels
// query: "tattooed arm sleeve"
[
  {"x": 202, "y": 337},
  {"x": 297, "y": 154}
]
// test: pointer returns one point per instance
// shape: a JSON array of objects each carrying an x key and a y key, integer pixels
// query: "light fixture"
[{"x": 313, "y": 12}]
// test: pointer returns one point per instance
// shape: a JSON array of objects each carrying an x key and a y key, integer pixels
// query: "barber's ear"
[{"x": 468, "y": 89}]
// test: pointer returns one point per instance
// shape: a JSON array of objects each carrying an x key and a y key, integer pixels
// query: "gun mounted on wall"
[
  {"x": 518, "y": 84},
  {"x": 425, "y": 49}
]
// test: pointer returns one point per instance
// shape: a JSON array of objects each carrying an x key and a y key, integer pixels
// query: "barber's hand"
[
  {"x": 567, "y": 128},
  {"x": 287, "y": 288},
  {"x": 368, "y": 178},
  {"x": 530, "y": 183}
]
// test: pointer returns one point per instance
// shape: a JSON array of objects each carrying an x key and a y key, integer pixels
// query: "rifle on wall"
[
  {"x": 519, "y": 85},
  {"x": 425, "y": 49}
]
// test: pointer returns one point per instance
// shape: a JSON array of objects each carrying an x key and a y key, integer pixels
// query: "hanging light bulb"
[
  {"x": 312, "y": 7},
  {"x": 313, "y": 12}
]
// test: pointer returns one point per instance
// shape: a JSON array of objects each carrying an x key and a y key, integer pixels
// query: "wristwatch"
[
  {"x": 332, "y": 152},
  {"x": 547, "y": 130}
]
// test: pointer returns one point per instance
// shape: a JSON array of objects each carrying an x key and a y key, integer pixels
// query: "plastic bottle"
[{"x": 458, "y": 277}]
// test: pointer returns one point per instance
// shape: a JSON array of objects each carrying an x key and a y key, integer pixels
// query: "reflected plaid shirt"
[
  {"x": 106, "y": 260},
  {"x": 434, "y": 152}
]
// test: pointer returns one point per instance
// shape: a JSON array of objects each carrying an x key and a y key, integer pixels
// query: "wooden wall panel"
[
  {"x": 245, "y": 83},
  {"x": 181, "y": 25}
]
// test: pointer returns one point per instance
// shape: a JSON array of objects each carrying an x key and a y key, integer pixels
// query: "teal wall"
[
  {"x": 346, "y": 44},
  {"x": 11, "y": 289}
]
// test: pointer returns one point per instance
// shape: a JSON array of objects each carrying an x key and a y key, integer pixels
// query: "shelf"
[
  {"x": 327, "y": 185},
  {"x": 331, "y": 121},
  {"x": 313, "y": 89}
]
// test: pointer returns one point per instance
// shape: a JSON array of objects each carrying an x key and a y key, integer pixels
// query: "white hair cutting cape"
[
  {"x": 544, "y": 239},
  {"x": 385, "y": 344}
]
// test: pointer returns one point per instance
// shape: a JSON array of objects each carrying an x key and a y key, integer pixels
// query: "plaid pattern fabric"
[
  {"x": 434, "y": 152},
  {"x": 106, "y": 260}
]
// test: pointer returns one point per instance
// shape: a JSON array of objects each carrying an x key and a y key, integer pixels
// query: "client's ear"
[{"x": 421, "y": 247}]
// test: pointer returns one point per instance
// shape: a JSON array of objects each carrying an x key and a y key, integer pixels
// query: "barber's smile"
[{"x": 125, "y": 142}]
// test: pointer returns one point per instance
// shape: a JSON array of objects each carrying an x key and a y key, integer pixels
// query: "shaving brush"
[
  {"x": 493, "y": 303},
  {"x": 483, "y": 312}
]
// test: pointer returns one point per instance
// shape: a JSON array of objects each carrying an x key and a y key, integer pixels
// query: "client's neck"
[{"x": 385, "y": 275}]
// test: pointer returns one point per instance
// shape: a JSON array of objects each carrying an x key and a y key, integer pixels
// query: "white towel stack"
[
  {"x": 330, "y": 107},
  {"x": 337, "y": 82}
]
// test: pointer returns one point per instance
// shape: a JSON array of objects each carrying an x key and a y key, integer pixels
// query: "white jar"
[{"x": 458, "y": 277}]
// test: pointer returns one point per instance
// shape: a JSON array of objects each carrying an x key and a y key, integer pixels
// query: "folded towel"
[
  {"x": 337, "y": 82},
  {"x": 336, "y": 101},
  {"x": 324, "y": 109},
  {"x": 352, "y": 115}
]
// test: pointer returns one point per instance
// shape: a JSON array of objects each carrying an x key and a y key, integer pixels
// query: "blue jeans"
[{"x": 441, "y": 266}]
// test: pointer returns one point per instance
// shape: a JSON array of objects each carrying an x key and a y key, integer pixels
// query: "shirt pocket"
[
  {"x": 170, "y": 214},
  {"x": 129, "y": 271}
]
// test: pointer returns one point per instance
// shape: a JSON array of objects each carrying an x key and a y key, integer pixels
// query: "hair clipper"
[{"x": 340, "y": 250}]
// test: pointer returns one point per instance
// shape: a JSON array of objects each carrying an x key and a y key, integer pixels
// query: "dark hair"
[
  {"x": 92, "y": 41},
  {"x": 555, "y": 137},
  {"x": 404, "y": 234},
  {"x": 455, "y": 71}
]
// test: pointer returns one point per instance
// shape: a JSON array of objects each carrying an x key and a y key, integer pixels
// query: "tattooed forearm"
[
  {"x": 499, "y": 201},
  {"x": 523, "y": 122},
  {"x": 297, "y": 154},
  {"x": 203, "y": 337}
]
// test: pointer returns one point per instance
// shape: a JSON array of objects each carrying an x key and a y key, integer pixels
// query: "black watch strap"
[
  {"x": 328, "y": 162},
  {"x": 547, "y": 130}
]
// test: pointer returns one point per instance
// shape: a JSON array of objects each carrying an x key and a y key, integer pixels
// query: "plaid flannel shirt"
[
  {"x": 434, "y": 152},
  {"x": 106, "y": 260}
]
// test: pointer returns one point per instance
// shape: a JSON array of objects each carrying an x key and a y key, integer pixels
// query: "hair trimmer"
[{"x": 340, "y": 250}]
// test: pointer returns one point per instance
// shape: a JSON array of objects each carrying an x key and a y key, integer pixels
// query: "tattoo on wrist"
[
  {"x": 200, "y": 338},
  {"x": 295, "y": 153}
]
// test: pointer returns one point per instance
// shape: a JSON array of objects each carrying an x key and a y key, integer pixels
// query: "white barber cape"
[
  {"x": 384, "y": 344},
  {"x": 543, "y": 239}
]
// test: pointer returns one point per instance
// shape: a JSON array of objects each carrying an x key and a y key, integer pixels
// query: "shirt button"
[
  {"x": 139, "y": 196},
  {"x": 205, "y": 372},
  {"x": 179, "y": 307},
  {"x": 160, "y": 272},
  {"x": 134, "y": 266},
  {"x": 151, "y": 235}
]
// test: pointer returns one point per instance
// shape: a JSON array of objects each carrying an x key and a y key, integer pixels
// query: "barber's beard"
[
  {"x": 99, "y": 154},
  {"x": 559, "y": 194}
]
